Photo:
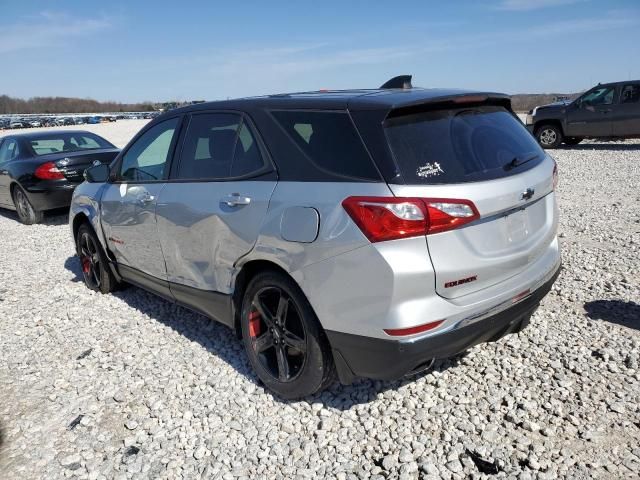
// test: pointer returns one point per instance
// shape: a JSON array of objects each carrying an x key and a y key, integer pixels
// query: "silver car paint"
[
  {"x": 202, "y": 236},
  {"x": 129, "y": 223},
  {"x": 511, "y": 234},
  {"x": 354, "y": 286}
]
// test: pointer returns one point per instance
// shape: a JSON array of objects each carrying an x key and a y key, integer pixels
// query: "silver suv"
[{"x": 354, "y": 233}]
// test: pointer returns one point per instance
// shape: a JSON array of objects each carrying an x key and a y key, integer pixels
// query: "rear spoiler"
[{"x": 475, "y": 99}]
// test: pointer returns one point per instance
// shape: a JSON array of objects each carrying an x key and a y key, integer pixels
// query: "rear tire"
[
  {"x": 96, "y": 271},
  {"x": 549, "y": 136},
  {"x": 283, "y": 338},
  {"x": 26, "y": 213},
  {"x": 571, "y": 141}
]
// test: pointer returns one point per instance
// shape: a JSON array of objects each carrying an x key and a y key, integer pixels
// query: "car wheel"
[
  {"x": 26, "y": 213},
  {"x": 572, "y": 140},
  {"x": 283, "y": 337},
  {"x": 95, "y": 268},
  {"x": 549, "y": 136}
]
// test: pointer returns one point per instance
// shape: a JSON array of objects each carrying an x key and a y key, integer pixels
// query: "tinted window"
[
  {"x": 217, "y": 146},
  {"x": 454, "y": 146},
  {"x": 330, "y": 140},
  {"x": 8, "y": 150},
  {"x": 146, "y": 159},
  {"x": 67, "y": 142},
  {"x": 630, "y": 94}
]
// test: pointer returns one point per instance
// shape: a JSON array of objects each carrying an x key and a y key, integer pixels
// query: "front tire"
[
  {"x": 549, "y": 136},
  {"x": 283, "y": 337},
  {"x": 96, "y": 272},
  {"x": 26, "y": 213}
]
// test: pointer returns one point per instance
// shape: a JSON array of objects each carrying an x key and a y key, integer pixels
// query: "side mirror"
[{"x": 97, "y": 173}]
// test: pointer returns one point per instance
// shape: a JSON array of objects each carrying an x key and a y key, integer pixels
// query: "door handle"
[
  {"x": 606, "y": 110},
  {"x": 146, "y": 198},
  {"x": 236, "y": 199}
]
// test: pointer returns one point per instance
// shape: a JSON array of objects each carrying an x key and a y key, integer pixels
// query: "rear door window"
[
  {"x": 219, "y": 146},
  {"x": 461, "y": 145},
  {"x": 630, "y": 94},
  {"x": 330, "y": 141}
]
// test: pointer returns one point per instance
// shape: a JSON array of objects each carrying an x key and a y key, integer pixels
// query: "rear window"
[
  {"x": 67, "y": 142},
  {"x": 462, "y": 145},
  {"x": 330, "y": 141}
]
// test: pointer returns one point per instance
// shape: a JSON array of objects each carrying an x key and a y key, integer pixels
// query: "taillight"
[
  {"x": 397, "y": 332},
  {"x": 48, "y": 171},
  {"x": 555, "y": 174},
  {"x": 390, "y": 218},
  {"x": 447, "y": 214}
]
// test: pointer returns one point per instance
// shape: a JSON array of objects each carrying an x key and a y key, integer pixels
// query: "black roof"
[
  {"x": 621, "y": 82},
  {"x": 374, "y": 99}
]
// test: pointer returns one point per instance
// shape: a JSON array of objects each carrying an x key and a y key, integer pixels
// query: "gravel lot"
[{"x": 131, "y": 386}]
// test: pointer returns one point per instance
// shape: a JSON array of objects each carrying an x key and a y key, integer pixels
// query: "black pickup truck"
[{"x": 606, "y": 111}]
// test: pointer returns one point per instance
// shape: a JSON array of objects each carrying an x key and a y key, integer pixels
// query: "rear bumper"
[
  {"x": 361, "y": 356},
  {"x": 48, "y": 197}
]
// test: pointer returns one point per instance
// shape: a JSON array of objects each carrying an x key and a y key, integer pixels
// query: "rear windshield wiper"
[{"x": 517, "y": 161}]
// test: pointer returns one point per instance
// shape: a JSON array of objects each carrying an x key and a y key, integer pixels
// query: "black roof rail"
[{"x": 401, "y": 81}]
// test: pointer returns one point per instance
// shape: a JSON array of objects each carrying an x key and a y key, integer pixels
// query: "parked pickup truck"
[{"x": 606, "y": 111}]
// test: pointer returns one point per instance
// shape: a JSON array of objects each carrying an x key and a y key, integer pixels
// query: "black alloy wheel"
[
  {"x": 90, "y": 261},
  {"x": 277, "y": 334},
  {"x": 96, "y": 272},
  {"x": 283, "y": 338}
]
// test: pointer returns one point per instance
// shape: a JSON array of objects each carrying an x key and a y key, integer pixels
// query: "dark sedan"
[{"x": 39, "y": 171}]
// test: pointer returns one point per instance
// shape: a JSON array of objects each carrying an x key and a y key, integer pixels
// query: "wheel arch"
[
  {"x": 551, "y": 121},
  {"x": 78, "y": 220}
]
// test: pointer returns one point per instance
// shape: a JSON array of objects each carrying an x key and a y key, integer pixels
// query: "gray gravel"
[{"x": 131, "y": 386}]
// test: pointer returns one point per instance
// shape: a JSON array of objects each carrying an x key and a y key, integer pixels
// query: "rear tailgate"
[
  {"x": 510, "y": 235},
  {"x": 483, "y": 155}
]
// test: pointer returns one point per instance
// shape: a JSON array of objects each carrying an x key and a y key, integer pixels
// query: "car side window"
[
  {"x": 599, "y": 96},
  {"x": 330, "y": 140},
  {"x": 8, "y": 150},
  {"x": 630, "y": 94},
  {"x": 218, "y": 146},
  {"x": 147, "y": 158}
]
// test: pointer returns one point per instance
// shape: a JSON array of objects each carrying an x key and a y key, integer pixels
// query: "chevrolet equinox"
[{"x": 359, "y": 233}]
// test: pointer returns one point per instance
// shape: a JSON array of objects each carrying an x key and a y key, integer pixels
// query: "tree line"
[
  {"x": 9, "y": 105},
  {"x": 523, "y": 102}
]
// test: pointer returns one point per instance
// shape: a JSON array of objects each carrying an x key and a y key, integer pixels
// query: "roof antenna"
[{"x": 401, "y": 81}]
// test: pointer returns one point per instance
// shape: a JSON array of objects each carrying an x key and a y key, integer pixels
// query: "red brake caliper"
[
  {"x": 254, "y": 324},
  {"x": 86, "y": 264}
]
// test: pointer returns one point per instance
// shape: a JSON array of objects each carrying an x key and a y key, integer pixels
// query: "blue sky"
[{"x": 136, "y": 51}]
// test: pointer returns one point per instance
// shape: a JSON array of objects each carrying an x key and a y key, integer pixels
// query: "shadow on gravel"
[
  {"x": 222, "y": 342},
  {"x": 615, "y": 311},
  {"x": 602, "y": 146},
  {"x": 73, "y": 265},
  {"x": 51, "y": 218}
]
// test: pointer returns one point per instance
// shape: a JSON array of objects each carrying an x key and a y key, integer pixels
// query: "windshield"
[
  {"x": 67, "y": 142},
  {"x": 461, "y": 145}
]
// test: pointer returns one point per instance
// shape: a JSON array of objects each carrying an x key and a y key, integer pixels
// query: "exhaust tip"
[{"x": 421, "y": 368}]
